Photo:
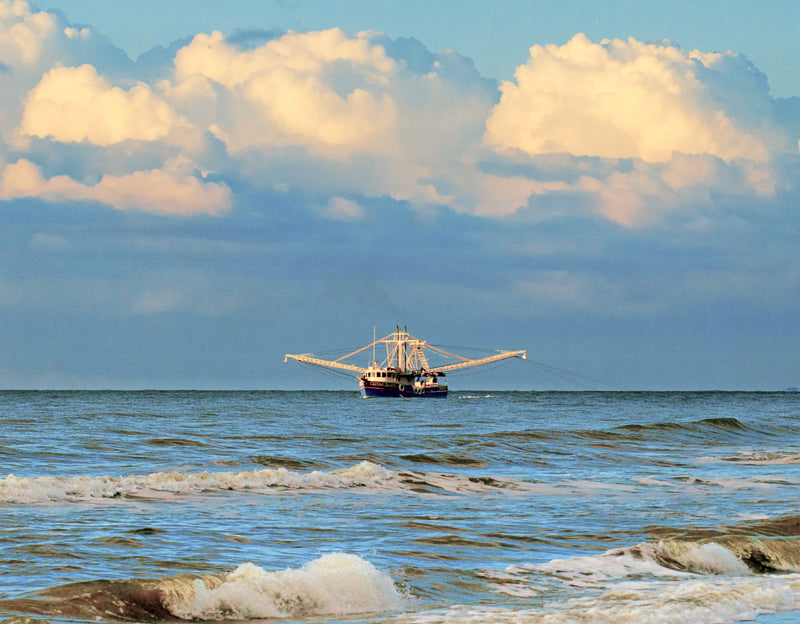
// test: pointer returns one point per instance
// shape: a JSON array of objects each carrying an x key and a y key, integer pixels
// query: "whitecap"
[
  {"x": 32, "y": 490},
  {"x": 334, "y": 584}
]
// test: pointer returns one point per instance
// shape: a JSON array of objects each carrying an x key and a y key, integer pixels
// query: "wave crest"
[
  {"x": 27, "y": 490},
  {"x": 161, "y": 485},
  {"x": 732, "y": 556},
  {"x": 335, "y": 584}
]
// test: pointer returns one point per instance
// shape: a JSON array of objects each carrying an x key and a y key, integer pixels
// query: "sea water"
[{"x": 321, "y": 506}]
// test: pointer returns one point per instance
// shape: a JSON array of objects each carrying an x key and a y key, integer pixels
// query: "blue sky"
[{"x": 189, "y": 190}]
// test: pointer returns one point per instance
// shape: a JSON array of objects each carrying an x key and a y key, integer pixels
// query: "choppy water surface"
[{"x": 321, "y": 506}]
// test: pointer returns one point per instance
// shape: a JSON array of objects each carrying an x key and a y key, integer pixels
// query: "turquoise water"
[{"x": 322, "y": 506}]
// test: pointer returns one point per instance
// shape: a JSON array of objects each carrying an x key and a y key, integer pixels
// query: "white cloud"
[
  {"x": 25, "y": 33},
  {"x": 322, "y": 90},
  {"x": 643, "y": 132},
  {"x": 348, "y": 115},
  {"x": 633, "y": 131},
  {"x": 342, "y": 209},
  {"x": 75, "y": 104},
  {"x": 32, "y": 42},
  {"x": 631, "y": 99},
  {"x": 170, "y": 191}
]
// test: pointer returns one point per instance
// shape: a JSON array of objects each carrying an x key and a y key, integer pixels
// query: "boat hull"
[{"x": 402, "y": 390}]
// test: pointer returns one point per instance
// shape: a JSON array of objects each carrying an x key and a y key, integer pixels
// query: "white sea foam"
[
  {"x": 713, "y": 559},
  {"x": 645, "y": 560},
  {"x": 365, "y": 475},
  {"x": 712, "y": 600},
  {"x": 764, "y": 457},
  {"x": 334, "y": 584},
  {"x": 28, "y": 490},
  {"x": 609, "y": 566},
  {"x": 629, "y": 585}
]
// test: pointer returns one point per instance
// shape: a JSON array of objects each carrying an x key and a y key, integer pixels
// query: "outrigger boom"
[{"x": 406, "y": 371}]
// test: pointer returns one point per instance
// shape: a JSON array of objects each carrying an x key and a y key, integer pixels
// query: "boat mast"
[{"x": 401, "y": 349}]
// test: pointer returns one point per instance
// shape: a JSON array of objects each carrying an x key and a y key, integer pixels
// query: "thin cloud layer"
[{"x": 169, "y": 191}]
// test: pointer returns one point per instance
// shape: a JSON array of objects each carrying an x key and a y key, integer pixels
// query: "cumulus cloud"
[
  {"x": 640, "y": 133},
  {"x": 323, "y": 90},
  {"x": 328, "y": 112},
  {"x": 636, "y": 132},
  {"x": 34, "y": 39},
  {"x": 632, "y": 99},
  {"x": 32, "y": 42},
  {"x": 168, "y": 191},
  {"x": 76, "y": 104},
  {"x": 353, "y": 113}
]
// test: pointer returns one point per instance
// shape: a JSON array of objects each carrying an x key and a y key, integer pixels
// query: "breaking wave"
[
  {"x": 763, "y": 458},
  {"x": 720, "y": 601},
  {"x": 772, "y": 548},
  {"x": 729, "y": 556},
  {"x": 335, "y": 584},
  {"x": 364, "y": 476},
  {"x": 671, "y": 581},
  {"x": 163, "y": 485},
  {"x": 22, "y": 490}
]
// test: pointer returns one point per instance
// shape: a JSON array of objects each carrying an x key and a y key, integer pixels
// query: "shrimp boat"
[{"x": 406, "y": 371}]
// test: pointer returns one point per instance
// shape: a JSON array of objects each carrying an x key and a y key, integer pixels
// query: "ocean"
[{"x": 530, "y": 507}]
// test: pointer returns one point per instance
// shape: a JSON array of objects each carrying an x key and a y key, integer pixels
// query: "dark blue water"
[{"x": 321, "y": 506}]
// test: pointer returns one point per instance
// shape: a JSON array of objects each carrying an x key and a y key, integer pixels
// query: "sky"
[{"x": 189, "y": 190}]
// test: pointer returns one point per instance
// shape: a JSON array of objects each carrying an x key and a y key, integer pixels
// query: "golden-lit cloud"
[
  {"x": 75, "y": 104},
  {"x": 632, "y": 99},
  {"x": 323, "y": 90},
  {"x": 632, "y": 131},
  {"x": 24, "y": 32},
  {"x": 352, "y": 113},
  {"x": 169, "y": 191}
]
